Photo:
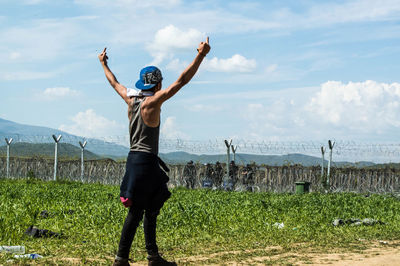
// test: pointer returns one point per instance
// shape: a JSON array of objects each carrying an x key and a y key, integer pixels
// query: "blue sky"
[{"x": 277, "y": 70}]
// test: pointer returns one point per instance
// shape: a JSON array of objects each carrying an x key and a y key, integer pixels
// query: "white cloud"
[
  {"x": 177, "y": 65},
  {"x": 59, "y": 92},
  {"x": 369, "y": 105},
  {"x": 25, "y": 75},
  {"x": 263, "y": 75},
  {"x": 170, "y": 129},
  {"x": 128, "y": 4},
  {"x": 32, "y": 2},
  {"x": 15, "y": 55},
  {"x": 352, "y": 11},
  {"x": 271, "y": 68},
  {"x": 198, "y": 15},
  {"x": 170, "y": 40},
  {"x": 91, "y": 125},
  {"x": 278, "y": 19},
  {"x": 274, "y": 120},
  {"x": 204, "y": 108},
  {"x": 326, "y": 13},
  {"x": 59, "y": 35},
  {"x": 356, "y": 110},
  {"x": 186, "y": 25},
  {"x": 237, "y": 63}
]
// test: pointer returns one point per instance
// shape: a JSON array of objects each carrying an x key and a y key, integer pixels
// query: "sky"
[{"x": 298, "y": 70}]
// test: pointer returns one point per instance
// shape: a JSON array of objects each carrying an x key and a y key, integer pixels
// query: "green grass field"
[{"x": 192, "y": 222}]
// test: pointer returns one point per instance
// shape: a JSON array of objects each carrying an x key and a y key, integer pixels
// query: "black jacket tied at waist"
[{"x": 144, "y": 182}]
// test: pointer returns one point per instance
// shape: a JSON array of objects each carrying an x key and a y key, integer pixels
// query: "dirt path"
[
  {"x": 375, "y": 257},
  {"x": 379, "y": 253}
]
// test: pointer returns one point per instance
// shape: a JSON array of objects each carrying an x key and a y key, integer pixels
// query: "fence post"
[
  {"x": 82, "y": 162},
  {"x": 234, "y": 152},
  {"x": 322, "y": 166},
  {"x": 329, "y": 162},
  {"x": 323, "y": 160},
  {"x": 56, "y": 140},
  {"x": 8, "y": 141},
  {"x": 228, "y": 157}
]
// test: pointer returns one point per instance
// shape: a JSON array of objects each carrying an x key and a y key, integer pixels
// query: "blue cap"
[{"x": 148, "y": 78}]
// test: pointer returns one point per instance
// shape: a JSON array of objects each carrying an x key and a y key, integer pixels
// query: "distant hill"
[
  {"x": 65, "y": 150},
  {"x": 356, "y": 164},
  {"x": 41, "y": 143},
  {"x": 241, "y": 158},
  {"x": 278, "y": 160},
  {"x": 36, "y": 134},
  {"x": 385, "y": 165},
  {"x": 69, "y": 151}
]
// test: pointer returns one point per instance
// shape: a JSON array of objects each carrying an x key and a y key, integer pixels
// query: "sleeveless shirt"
[{"x": 142, "y": 137}]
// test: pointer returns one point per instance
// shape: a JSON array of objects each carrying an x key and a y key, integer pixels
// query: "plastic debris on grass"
[
  {"x": 356, "y": 222},
  {"x": 278, "y": 225},
  {"x": 36, "y": 232},
  {"x": 29, "y": 256},
  {"x": 19, "y": 250},
  {"x": 13, "y": 249}
]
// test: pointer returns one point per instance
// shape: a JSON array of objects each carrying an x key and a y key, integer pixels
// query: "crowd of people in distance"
[{"x": 214, "y": 176}]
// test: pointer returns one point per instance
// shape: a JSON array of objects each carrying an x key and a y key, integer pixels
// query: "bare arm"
[
  {"x": 185, "y": 77},
  {"x": 119, "y": 88}
]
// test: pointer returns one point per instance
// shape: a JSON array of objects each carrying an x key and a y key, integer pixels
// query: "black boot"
[
  {"x": 121, "y": 262},
  {"x": 157, "y": 260}
]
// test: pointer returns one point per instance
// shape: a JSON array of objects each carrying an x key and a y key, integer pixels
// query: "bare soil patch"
[{"x": 377, "y": 253}]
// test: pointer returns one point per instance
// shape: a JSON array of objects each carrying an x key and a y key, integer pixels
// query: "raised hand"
[
  {"x": 204, "y": 47},
  {"x": 103, "y": 56}
]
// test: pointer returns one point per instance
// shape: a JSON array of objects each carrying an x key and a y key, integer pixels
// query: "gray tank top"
[{"x": 143, "y": 138}]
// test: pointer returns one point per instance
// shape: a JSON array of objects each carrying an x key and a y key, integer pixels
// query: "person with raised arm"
[{"x": 144, "y": 186}]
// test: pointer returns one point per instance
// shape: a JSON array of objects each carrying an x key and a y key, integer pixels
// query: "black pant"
[{"x": 135, "y": 215}]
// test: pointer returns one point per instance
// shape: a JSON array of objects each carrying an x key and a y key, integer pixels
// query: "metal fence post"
[
  {"x": 228, "y": 156},
  {"x": 82, "y": 162},
  {"x": 323, "y": 160},
  {"x": 323, "y": 176},
  {"x": 234, "y": 152},
  {"x": 8, "y": 141},
  {"x": 329, "y": 162},
  {"x": 56, "y": 139}
]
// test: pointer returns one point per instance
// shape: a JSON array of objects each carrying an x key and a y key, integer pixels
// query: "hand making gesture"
[
  {"x": 103, "y": 56},
  {"x": 204, "y": 48}
]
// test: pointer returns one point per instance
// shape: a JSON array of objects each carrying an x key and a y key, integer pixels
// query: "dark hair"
[{"x": 154, "y": 88}]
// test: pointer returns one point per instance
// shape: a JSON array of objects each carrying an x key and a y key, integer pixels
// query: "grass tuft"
[{"x": 192, "y": 222}]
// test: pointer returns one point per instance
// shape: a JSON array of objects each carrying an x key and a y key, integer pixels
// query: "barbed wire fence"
[
  {"x": 344, "y": 149},
  {"x": 262, "y": 178}
]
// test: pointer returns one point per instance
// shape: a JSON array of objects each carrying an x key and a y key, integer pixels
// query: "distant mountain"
[
  {"x": 36, "y": 134},
  {"x": 356, "y": 164},
  {"x": 241, "y": 158},
  {"x": 18, "y": 130},
  {"x": 65, "y": 151},
  {"x": 276, "y": 160},
  {"x": 385, "y": 165},
  {"x": 98, "y": 148}
]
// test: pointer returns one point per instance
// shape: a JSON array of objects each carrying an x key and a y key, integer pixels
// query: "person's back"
[
  {"x": 142, "y": 137},
  {"x": 189, "y": 175},
  {"x": 144, "y": 188},
  {"x": 218, "y": 174}
]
